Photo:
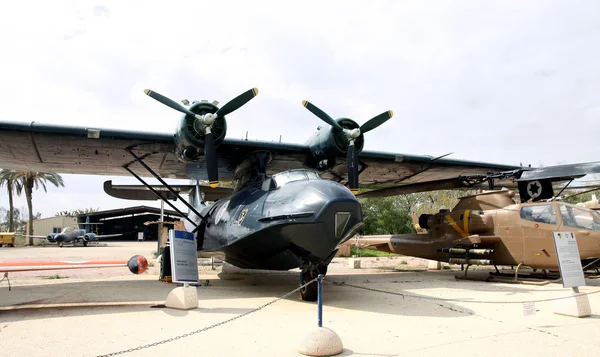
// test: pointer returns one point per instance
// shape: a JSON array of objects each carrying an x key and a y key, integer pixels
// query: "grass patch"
[{"x": 363, "y": 252}]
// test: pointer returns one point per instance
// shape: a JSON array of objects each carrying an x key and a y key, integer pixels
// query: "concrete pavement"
[{"x": 84, "y": 315}]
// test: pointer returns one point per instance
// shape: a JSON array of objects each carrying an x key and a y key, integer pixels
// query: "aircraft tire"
[
  {"x": 85, "y": 243},
  {"x": 323, "y": 269},
  {"x": 309, "y": 292}
]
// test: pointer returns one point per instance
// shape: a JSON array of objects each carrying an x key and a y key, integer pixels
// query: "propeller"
[
  {"x": 204, "y": 123},
  {"x": 351, "y": 135}
]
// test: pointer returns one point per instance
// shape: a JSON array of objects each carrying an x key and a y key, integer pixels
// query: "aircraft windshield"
[
  {"x": 539, "y": 213},
  {"x": 67, "y": 230},
  {"x": 294, "y": 175},
  {"x": 578, "y": 218}
]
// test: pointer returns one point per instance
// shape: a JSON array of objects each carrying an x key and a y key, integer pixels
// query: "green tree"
[
  {"x": 392, "y": 215},
  {"x": 9, "y": 178},
  {"x": 76, "y": 212},
  {"x": 577, "y": 196},
  {"x": 387, "y": 215},
  {"x": 433, "y": 201},
  {"x": 34, "y": 180}
]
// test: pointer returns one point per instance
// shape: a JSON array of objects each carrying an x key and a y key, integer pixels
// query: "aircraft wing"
[
  {"x": 137, "y": 264},
  {"x": 28, "y": 236},
  {"x": 100, "y": 236},
  {"x": 108, "y": 236},
  {"x": 83, "y": 150}
]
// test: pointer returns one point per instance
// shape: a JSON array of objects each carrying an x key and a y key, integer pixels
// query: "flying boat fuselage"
[{"x": 280, "y": 223}]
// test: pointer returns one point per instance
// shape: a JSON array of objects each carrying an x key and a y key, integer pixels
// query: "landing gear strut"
[{"x": 310, "y": 291}]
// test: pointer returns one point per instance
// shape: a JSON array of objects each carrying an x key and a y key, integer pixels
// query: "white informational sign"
[
  {"x": 184, "y": 258},
  {"x": 569, "y": 260},
  {"x": 528, "y": 308},
  {"x": 140, "y": 236}
]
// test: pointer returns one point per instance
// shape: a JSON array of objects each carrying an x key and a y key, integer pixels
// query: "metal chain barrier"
[
  {"x": 211, "y": 326},
  {"x": 404, "y": 295}
]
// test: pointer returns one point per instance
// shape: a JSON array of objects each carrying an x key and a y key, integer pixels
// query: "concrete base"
[
  {"x": 576, "y": 306},
  {"x": 434, "y": 265},
  {"x": 354, "y": 263},
  {"x": 321, "y": 341},
  {"x": 182, "y": 298}
]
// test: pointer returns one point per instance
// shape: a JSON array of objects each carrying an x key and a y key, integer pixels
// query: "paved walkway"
[{"x": 89, "y": 316}]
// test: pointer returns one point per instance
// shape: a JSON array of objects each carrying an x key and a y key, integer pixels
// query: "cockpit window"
[
  {"x": 578, "y": 218},
  {"x": 539, "y": 213},
  {"x": 294, "y": 175}
]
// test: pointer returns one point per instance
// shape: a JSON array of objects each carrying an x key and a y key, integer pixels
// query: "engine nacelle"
[
  {"x": 327, "y": 144},
  {"x": 89, "y": 236},
  {"x": 189, "y": 137},
  {"x": 51, "y": 237}
]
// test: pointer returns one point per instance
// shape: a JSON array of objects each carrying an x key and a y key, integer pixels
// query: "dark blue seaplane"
[{"x": 291, "y": 204}]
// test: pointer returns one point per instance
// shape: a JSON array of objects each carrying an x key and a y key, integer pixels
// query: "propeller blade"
[
  {"x": 376, "y": 121},
  {"x": 322, "y": 115},
  {"x": 352, "y": 162},
  {"x": 237, "y": 102},
  {"x": 211, "y": 160},
  {"x": 168, "y": 102}
]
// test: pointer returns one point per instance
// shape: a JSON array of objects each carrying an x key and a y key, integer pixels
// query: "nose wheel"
[{"x": 310, "y": 291}]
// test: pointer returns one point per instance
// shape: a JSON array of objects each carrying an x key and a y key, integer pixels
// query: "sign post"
[
  {"x": 184, "y": 258},
  {"x": 571, "y": 272},
  {"x": 184, "y": 269},
  {"x": 569, "y": 261}
]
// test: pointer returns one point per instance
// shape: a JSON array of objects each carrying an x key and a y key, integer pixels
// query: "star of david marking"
[{"x": 534, "y": 189}]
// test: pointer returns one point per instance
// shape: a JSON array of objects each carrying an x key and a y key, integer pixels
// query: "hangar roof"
[{"x": 127, "y": 211}]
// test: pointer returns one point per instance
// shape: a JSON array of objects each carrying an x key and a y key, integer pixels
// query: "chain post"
[
  {"x": 209, "y": 327},
  {"x": 320, "y": 300}
]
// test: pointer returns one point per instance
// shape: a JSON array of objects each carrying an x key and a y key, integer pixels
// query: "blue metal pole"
[{"x": 320, "y": 300}]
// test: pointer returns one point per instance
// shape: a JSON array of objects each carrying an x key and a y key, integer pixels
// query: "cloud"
[{"x": 500, "y": 81}]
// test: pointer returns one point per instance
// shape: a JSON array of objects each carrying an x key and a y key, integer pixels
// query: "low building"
[
  {"x": 127, "y": 221},
  {"x": 44, "y": 226}
]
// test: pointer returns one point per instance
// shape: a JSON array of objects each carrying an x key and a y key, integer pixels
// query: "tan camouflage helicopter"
[{"x": 493, "y": 227}]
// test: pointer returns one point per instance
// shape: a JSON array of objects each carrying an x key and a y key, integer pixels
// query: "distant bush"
[{"x": 362, "y": 252}]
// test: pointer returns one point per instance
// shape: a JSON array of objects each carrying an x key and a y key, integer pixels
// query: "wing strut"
[
  {"x": 158, "y": 195},
  {"x": 164, "y": 184}
]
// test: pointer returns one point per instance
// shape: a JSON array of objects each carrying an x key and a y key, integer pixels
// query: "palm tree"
[
  {"x": 13, "y": 185},
  {"x": 29, "y": 181}
]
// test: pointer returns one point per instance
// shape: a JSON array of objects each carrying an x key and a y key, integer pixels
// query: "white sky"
[{"x": 495, "y": 81}]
